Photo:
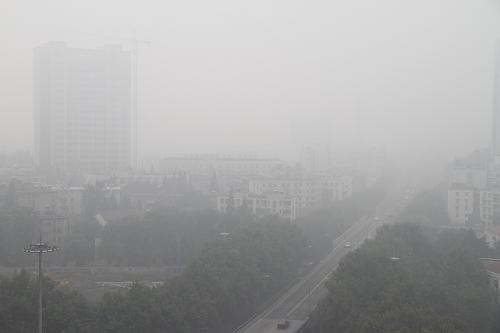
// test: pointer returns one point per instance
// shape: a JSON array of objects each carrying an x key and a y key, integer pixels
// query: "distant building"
[
  {"x": 229, "y": 172},
  {"x": 82, "y": 108},
  {"x": 474, "y": 183},
  {"x": 270, "y": 203},
  {"x": 316, "y": 160},
  {"x": 48, "y": 199},
  {"x": 55, "y": 228},
  {"x": 56, "y": 207},
  {"x": 471, "y": 176},
  {"x": 496, "y": 112},
  {"x": 337, "y": 188},
  {"x": 308, "y": 192},
  {"x": 461, "y": 205}
]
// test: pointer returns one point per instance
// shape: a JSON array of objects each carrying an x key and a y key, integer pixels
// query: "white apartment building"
[
  {"x": 460, "y": 205},
  {"x": 308, "y": 192},
  {"x": 229, "y": 172},
  {"x": 56, "y": 207},
  {"x": 489, "y": 205},
  {"x": 338, "y": 188},
  {"x": 473, "y": 177},
  {"x": 207, "y": 164},
  {"x": 55, "y": 229},
  {"x": 270, "y": 203},
  {"x": 82, "y": 102},
  {"x": 46, "y": 199}
]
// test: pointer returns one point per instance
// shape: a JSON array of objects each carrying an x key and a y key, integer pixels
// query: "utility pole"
[{"x": 40, "y": 248}]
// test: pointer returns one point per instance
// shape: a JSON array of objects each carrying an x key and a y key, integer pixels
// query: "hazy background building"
[{"x": 82, "y": 108}]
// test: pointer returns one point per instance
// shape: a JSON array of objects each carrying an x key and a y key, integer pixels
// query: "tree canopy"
[{"x": 408, "y": 279}]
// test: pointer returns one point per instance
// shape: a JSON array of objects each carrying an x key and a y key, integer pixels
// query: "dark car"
[{"x": 283, "y": 325}]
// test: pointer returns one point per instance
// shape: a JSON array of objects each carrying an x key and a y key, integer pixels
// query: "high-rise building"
[
  {"x": 496, "y": 111},
  {"x": 82, "y": 108}
]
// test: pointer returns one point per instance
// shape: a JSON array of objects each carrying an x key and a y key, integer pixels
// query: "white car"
[
  {"x": 347, "y": 244},
  {"x": 376, "y": 218}
]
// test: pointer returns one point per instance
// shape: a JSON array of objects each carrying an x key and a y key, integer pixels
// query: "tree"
[{"x": 438, "y": 285}]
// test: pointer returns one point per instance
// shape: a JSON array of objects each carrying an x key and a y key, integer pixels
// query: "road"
[{"x": 297, "y": 302}]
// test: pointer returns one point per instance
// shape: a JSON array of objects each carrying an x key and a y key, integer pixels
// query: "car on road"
[
  {"x": 283, "y": 325},
  {"x": 347, "y": 244},
  {"x": 376, "y": 218}
]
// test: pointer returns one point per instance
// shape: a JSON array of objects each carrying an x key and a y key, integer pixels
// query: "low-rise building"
[
  {"x": 227, "y": 171},
  {"x": 60, "y": 200},
  {"x": 308, "y": 192},
  {"x": 57, "y": 207},
  {"x": 55, "y": 228},
  {"x": 270, "y": 203},
  {"x": 338, "y": 188}
]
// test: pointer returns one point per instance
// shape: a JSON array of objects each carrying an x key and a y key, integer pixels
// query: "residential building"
[
  {"x": 269, "y": 203},
  {"x": 56, "y": 207},
  {"x": 338, "y": 188},
  {"x": 308, "y": 192},
  {"x": 82, "y": 107},
  {"x": 228, "y": 172},
  {"x": 496, "y": 112},
  {"x": 471, "y": 176},
  {"x": 316, "y": 160},
  {"x": 55, "y": 228},
  {"x": 48, "y": 199},
  {"x": 460, "y": 205},
  {"x": 492, "y": 267}
]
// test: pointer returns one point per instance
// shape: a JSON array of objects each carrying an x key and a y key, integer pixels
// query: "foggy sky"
[{"x": 269, "y": 76}]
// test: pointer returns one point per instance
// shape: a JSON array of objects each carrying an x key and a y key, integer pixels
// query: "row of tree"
[
  {"x": 217, "y": 291},
  {"x": 410, "y": 278}
]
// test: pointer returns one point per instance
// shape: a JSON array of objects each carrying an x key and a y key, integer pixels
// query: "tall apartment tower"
[
  {"x": 82, "y": 108},
  {"x": 496, "y": 110}
]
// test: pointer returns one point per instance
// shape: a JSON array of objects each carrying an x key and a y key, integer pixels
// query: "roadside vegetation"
[{"x": 409, "y": 279}]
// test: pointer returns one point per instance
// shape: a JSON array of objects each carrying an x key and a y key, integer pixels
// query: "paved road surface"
[{"x": 297, "y": 302}]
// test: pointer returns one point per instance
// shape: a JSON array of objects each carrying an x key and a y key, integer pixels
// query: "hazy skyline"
[{"x": 271, "y": 76}]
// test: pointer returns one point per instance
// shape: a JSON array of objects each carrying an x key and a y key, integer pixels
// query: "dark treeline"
[
  {"x": 218, "y": 290},
  {"x": 410, "y": 279}
]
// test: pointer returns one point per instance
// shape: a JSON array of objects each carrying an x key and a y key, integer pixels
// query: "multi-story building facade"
[
  {"x": 56, "y": 207},
  {"x": 49, "y": 199},
  {"x": 316, "y": 160},
  {"x": 223, "y": 172},
  {"x": 337, "y": 188},
  {"x": 82, "y": 107},
  {"x": 461, "y": 205},
  {"x": 470, "y": 176},
  {"x": 270, "y": 203},
  {"x": 308, "y": 192}
]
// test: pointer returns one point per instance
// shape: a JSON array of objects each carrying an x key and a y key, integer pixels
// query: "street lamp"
[{"x": 40, "y": 248}]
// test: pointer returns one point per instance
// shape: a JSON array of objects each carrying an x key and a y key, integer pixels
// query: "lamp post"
[{"x": 40, "y": 248}]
